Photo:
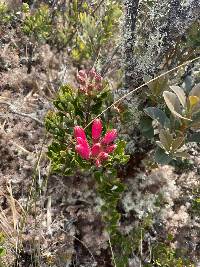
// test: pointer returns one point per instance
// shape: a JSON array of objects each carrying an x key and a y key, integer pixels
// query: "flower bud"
[
  {"x": 110, "y": 137},
  {"x": 96, "y": 149},
  {"x": 103, "y": 156},
  {"x": 90, "y": 87},
  {"x": 82, "y": 73},
  {"x": 92, "y": 73},
  {"x": 98, "y": 87},
  {"x": 98, "y": 78},
  {"x": 79, "y": 132},
  {"x": 81, "y": 80},
  {"x": 83, "y": 151},
  {"x": 81, "y": 141},
  {"x": 96, "y": 129},
  {"x": 97, "y": 163},
  {"x": 110, "y": 149}
]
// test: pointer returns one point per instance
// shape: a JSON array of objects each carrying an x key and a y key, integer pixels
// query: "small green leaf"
[
  {"x": 177, "y": 143},
  {"x": 160, "y": 145},
  {"x": 159, "y": 85},
  {"x": 2, "y": 251},
  {"x": 146, "y": 127},
  {"x": 161, "y": 157},
  {"x": 157, "y": 114},
  {"x": 181, "y": 154},
  {"x": 166, "y": 139}
]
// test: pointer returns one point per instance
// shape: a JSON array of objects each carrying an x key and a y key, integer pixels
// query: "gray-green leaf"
[
  {"x": 173, "y": 104},
  {"x": 161, "y": 157},
  {"x": 195, "y": 90},
  {"x": 180, "y": 94},
  {"x": 166, "y": 139},
  {"x": 159, "y": 115}
]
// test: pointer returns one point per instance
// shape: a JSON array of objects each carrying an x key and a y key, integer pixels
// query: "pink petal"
[
  {"x": 96, "y": 149},
  {"x": 81, "y": 141},
  {"x": 96, "y": 129},
  {"x": 79, "y": 132},
  {"x": 83, "y": 151},
  {"x": 110, "y": 149},
  {"x": 103, "y": 156},
  {"x": 98, "y": 163},
  {"x": 110, "y": 137}
]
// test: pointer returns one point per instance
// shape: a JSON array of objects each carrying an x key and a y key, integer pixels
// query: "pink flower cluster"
[
  {"x": 101, "y": 147},
  {"x": 89, "y": 81}
]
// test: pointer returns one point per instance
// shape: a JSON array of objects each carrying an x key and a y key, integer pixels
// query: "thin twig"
[
  {"x": 85, "y": 246},
  {"x": 113, "y": 256},
  {"x": 13, "y": 110},
  {"x": 141, "y": 86},
  {"x": 92, "y": 256}
]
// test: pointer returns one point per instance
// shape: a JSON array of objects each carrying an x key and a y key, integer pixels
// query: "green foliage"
[
  {"x": 37, "y": 24},
  {"x": 174, "y": 130},
  {"x": 195, "y": 207},
  {"x": 5, "y": 14},
  {"x": 25, "y": 8},
  {"x": 146, "y": 127},
  {"x": 193, "y": 36},
  {"x": 165, "y": 256},
  {"x": 85, "y": 28},
  {"x": 2, "y": 248},
  {"x": 96, "y": 30},
  {"x": 65, "y": 24},
  {"x": 157, "y": 87}
]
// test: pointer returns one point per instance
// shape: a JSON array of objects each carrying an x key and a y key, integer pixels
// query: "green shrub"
[
  {"x": 37, "y": 24},
  {"x": 5, "y": 14}
]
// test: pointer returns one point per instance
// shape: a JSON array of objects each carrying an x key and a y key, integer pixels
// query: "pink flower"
[
  {"x": 110, "y": 149},
  {"x": 110, "y": 137},
  {"x": 96, "y": 129},
  {"x": 103, "y": 156},
  {"x": 79, "y": 132},
  {"x": 89, "y": 81},
  {"x": 83, "y": 151},
  {"x": 81, "y": 77},
  {"x": 100, "y": 148},
  {"x": 96, "y": 149}
]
